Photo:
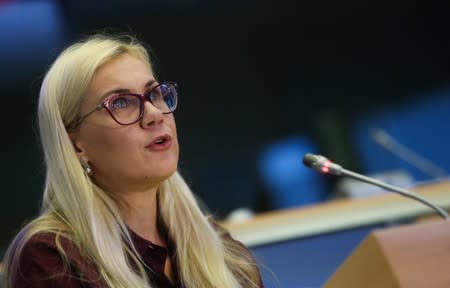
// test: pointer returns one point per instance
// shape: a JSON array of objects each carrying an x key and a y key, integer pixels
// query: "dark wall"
[{"x": 249, "y": 73}]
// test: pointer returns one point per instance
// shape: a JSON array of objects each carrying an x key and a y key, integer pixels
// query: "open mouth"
[
  {"x": 160, "y": 143},
  {"x": 162, "y": 139}
]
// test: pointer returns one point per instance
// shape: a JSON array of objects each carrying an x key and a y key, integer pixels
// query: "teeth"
[{"x": 159, "y": 141}]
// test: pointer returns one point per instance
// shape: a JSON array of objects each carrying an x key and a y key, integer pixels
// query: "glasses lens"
[
  {"x": 164, "y": 97},
  {"x": 124, "y": 108}
]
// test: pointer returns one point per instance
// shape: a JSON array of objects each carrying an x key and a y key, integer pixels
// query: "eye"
[
  {"x": 122, "y": 102},
  {"x": 154, "y": 94}
]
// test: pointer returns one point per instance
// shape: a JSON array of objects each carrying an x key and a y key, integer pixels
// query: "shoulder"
[
  {"x": 49, "y": 249},
  {"x": 39, "y": 248},
  {"x": 239, "y": 251},
  {"x": 49, "y": 260},
  {"x": 40, "y": 264},
  {"x": 230, "y": 243},
  {"x": 223, "y": 233},
  {"x": 43, "y": 243}
]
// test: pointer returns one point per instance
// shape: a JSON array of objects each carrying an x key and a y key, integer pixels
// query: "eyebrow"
[{"x": 124, "y": 90}]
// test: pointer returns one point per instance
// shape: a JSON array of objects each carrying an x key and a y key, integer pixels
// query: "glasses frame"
[{"x": 143, "y": 97}]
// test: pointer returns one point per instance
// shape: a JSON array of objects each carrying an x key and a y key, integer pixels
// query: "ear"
[{"x": 77, "y": 144}]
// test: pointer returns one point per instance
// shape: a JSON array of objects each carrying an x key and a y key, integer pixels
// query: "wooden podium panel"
[{"x": 409, "y": 256}]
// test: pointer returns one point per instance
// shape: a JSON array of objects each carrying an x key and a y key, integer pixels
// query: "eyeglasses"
[{"x": 128, "y": 108}]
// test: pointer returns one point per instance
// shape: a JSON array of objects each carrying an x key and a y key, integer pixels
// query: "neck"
[{"x": 140, "y": 213}]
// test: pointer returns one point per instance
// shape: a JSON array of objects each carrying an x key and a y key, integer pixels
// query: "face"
[{"x": 126, "y": 158}]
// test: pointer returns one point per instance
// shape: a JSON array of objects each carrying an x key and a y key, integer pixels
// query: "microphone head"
[
  {"x": 310, "y": 159},
  {"x": 321, "y": 164}
]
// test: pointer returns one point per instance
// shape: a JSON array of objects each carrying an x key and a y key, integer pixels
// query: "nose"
[{"x": 152, "y": 115}]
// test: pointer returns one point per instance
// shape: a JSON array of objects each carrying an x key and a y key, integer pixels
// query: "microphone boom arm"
[
  {"x": 406, "y": 193},
  {"x": 325, "y": 166}
]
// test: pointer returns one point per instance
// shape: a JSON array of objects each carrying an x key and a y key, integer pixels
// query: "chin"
[
  {"x": 169, "y": 172},
  {"x": 163, "y": 174}
]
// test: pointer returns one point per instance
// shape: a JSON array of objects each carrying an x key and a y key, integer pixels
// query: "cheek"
[
  {"x": 171, "y": 123},
  {"x": 106, "y": 145},
  {"x": 173, "y": 127}
]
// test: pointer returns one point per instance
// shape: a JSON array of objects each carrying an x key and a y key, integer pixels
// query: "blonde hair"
[{"x": 75, "y": 208}]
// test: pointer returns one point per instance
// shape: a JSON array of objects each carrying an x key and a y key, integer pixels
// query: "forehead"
[{"x": 123, "y": 72}]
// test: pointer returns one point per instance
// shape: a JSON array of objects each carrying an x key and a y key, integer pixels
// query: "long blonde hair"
[{"x": 75, "y": 208}]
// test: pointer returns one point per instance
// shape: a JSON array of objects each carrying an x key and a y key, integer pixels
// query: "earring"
[{"x": 85, "y": 163}]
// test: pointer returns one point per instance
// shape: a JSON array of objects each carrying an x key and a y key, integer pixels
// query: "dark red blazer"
[{"x": 42, "y": 266}]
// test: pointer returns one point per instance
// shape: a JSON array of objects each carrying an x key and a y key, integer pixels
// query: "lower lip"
[{"x": 160, "y": 147}]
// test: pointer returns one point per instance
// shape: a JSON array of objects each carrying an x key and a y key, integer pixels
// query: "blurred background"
[{"x": 366, "y": 83}]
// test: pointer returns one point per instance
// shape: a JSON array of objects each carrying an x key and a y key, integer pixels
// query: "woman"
[{"x": 115, "y": 211}]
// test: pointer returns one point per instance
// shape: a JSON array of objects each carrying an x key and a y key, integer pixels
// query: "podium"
[
  {"x": 416, "y": 255},
  {"x": 305, "y": 246}
]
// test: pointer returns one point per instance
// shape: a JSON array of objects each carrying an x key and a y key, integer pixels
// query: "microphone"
[{"x": 325, "y": 166}]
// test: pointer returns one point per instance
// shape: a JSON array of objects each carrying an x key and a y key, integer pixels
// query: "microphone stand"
[
  {"x": 401, "y": 191},
  {"x": 325, "y": 166}
]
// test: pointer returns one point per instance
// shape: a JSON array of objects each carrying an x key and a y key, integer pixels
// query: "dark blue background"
[{"x": 251, "y": 74}]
